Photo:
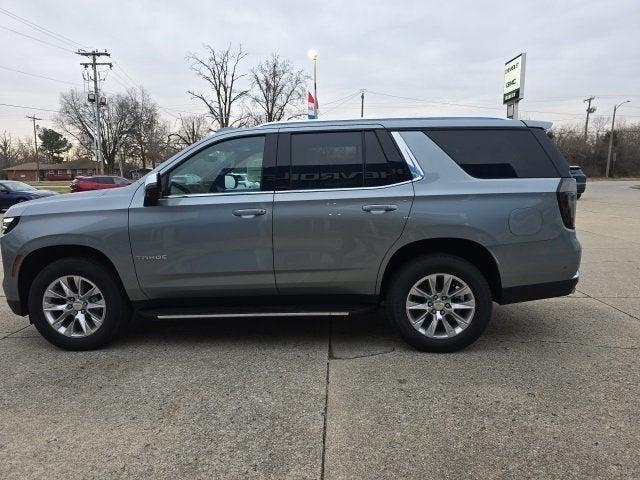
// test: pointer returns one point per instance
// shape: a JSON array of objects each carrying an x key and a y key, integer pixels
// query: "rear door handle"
[
  {"x": 249, "y": 212},
  {"x": 378, "y": 209}
]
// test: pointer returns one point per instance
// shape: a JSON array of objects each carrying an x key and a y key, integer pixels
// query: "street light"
[
  {"x": 313, "y": 55},
  {"x": 613, "y": 122}
]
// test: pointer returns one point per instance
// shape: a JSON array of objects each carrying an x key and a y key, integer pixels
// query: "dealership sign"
[{"x": 514, "y": 79}]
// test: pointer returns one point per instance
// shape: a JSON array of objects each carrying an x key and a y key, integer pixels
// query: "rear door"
[{"x": 342, "y": 199}]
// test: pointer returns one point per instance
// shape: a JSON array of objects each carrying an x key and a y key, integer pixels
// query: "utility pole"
[
  {"x": 35, "y": 144},
  {"x": 94, "y": 64},
  {"x": 590, "y": 110},
  {"x": 362, "y": 103},
  {"x": 613, "y": 123}
]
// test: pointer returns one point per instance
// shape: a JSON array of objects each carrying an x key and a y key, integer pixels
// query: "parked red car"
[{"x": 98, "y": 182}]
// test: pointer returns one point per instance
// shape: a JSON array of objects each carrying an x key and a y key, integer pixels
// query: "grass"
[{"x": 60, "y": 186}]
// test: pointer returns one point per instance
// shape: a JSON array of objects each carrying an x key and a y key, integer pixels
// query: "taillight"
[{"x": 566, "y": 195}]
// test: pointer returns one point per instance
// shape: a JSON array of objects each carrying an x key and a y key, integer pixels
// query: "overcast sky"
[{"x": 427, "y": 51}]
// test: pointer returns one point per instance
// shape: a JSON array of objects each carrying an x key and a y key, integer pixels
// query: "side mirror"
[{"x": 152, "y": 187}]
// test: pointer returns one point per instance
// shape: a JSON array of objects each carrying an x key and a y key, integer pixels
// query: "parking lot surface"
[{"x": 551, "y": 390}]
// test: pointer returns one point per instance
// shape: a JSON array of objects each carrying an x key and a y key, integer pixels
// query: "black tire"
[
  {"x": 414, "y": 270},
  {"x": 578, "y": 196},
  {"x": 118, "y": 308}
]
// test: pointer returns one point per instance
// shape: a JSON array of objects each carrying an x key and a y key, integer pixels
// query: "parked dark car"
[
  {"x": 581, "y": 178},
  {"x": 12, "y": 192},
  {"x": 98, "y": 182}
]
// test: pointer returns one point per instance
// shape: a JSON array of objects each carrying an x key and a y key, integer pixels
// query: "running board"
[
  {"x": 255, "y": 311},
  {"x": 257, "y": 314}
]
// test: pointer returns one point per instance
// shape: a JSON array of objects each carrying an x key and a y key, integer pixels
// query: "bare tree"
[
  {"x": 118, "y": 119},
  {"x": 191, "y": 129},
  {"x": 220, "y": 70},
  {"x": 148, "y": 137},
  {"x": 277, "y": 90},
  {"x": 7, "y": 150}
]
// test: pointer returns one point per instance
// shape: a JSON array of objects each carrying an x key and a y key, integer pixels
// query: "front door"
[
  {"x": 339, "y": 214},
  {"x": 211, "y": 233}
]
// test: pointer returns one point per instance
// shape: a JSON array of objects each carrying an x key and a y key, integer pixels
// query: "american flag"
[{"x": 312, "y": 105}]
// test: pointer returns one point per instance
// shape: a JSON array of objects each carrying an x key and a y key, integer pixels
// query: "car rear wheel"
[
  {"x": 76, "y": 304},
  {"x": 439, "y": 303}
]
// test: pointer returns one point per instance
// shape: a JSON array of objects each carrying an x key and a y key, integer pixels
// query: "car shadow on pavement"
[{"x": 349, "y": 336}]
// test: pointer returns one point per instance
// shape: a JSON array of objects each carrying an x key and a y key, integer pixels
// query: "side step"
[{"x": 256, "y": 311}]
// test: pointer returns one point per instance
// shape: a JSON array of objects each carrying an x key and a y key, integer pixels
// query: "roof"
[{"x": 73, "y": 165}]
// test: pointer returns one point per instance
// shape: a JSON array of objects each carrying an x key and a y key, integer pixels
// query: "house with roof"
[{"x": 51, "y": 171}]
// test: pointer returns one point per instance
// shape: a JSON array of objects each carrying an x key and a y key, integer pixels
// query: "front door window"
[{"x": 232, "y": 166}]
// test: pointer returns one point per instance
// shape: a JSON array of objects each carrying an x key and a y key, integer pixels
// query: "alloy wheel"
[
  {"x": 440, "y": 305},
  {"x": 74, "y": 306}
]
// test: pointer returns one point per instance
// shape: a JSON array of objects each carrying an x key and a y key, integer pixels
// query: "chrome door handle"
[
  {"x": 249, "y": 212},
  {"x": 378, "y": 209}
]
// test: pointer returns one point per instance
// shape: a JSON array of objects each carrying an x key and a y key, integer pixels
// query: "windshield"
[{"x": 17, "y": 186}]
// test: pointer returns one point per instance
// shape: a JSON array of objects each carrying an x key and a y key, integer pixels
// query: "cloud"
[{"x": 441, "y": 51}]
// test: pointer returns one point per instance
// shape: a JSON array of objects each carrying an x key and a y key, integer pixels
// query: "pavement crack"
[
  {"x": 12, "y": 333},
  {"x": 367, "y": 355},
  {"x": 326, "y": 402},
  {"x": 608, "y": 304},
  {"x": 560, "y": 342}
]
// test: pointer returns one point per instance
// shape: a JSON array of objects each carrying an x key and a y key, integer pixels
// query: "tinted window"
[
  {"x": 326, "y": 160},
  {"x": 552, "y": 150},
  {"x": 378, "y": 171},
  {"x": 231, "y": 166},
  {"x": 105, "y": 180},
  {"x": 496, "y": 153}
]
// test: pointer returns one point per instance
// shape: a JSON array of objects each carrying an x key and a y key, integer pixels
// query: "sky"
[{"x": 412, "y": 58}]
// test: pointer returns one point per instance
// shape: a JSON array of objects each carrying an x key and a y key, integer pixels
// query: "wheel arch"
[
  {"x": 38, "y": 259},
  {"x": 469, "y": 250}
]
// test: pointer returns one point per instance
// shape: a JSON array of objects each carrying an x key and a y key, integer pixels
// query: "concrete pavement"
[{"x": 550, "y": 391}]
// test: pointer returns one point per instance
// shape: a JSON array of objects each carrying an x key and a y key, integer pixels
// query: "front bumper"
[{"x": 525, "y": 293}]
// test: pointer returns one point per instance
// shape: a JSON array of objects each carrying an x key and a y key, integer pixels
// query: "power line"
[
  {"x": 28, "y": 108},
  {"x": 36, "y": 39},
  {"x": 39, "y": 28},
  {"x": 437, "y": 102},
  {"x": 346, "y": 99},
  {"x": 133, "y": 82},
  {"x": 38, "y": 76}
]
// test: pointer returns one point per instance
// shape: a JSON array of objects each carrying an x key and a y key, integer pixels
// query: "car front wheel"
[
  {"x": 439, "y": 303},
  {"x": 77, "y": 304}
]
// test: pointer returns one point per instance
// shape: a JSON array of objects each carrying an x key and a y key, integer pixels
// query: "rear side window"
[
  {"x": 105, "y": 180},
  {"x": 499, "y": 153},
  {"x": 326, "y": 160}
]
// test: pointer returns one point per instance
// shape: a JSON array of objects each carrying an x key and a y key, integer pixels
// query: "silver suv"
[{"x": 433, "y": 218}]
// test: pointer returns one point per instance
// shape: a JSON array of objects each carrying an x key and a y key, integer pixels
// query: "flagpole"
[
  {"x": 315, "y": 87},
  {"x": 313, "y": 55}
]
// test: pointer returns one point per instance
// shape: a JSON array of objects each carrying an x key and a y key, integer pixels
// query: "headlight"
[{"x": 8, "y": 224}]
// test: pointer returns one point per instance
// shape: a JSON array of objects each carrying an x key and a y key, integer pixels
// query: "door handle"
[
  {"x": 249, "y": 212},
  {"x": 378, "y": 209}
]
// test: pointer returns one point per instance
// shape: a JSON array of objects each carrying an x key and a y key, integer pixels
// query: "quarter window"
[
  {"x": 499, "y": 153},
  {"x": 231, "y": 166}
]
